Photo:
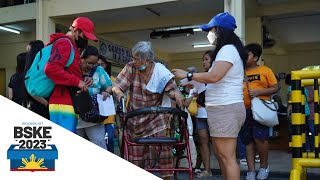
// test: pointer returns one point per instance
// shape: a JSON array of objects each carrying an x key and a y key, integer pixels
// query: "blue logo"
[{"x": 32, "y": 153}]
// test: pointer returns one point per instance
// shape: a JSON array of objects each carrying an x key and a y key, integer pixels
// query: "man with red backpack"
[{"x": 64, "y": 76}]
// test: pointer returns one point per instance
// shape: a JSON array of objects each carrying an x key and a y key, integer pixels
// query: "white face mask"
[{"x": 212, "y": 38}]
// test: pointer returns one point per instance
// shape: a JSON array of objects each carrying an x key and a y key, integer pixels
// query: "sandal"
[{"x": 204, "y": 174}]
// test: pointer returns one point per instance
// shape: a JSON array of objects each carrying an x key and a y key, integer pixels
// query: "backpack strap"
[{"x": 71, "y": 57}]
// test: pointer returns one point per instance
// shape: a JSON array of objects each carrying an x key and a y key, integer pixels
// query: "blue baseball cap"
[{"x": 224, "y": 20}]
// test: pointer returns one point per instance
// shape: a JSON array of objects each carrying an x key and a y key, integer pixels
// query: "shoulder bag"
[{"x": 264, "y": 111}]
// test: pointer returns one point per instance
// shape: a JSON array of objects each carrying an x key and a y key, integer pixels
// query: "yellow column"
[
  {"x": 316, "y": 118},
  {"x": 44, "y": 24},
  {"x": 297, "y": 125}
]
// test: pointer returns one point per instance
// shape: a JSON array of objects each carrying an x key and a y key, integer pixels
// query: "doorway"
[{"x": 2, "y": 81}]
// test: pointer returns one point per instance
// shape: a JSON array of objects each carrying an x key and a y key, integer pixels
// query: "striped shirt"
[{"x": 131, "y": 79}]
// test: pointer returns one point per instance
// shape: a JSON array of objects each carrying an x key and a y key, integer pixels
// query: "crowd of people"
[{"x": 231, "y": 76}]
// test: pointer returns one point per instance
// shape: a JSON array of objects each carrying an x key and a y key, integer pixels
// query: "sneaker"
[
  {"x": 257, "y": 159},
  {"x": 196, "y": 171},
  {"x": 243, "y": 162},
  {"x": 251, "y": 175},
  {"x": 263, "y": 173},
  {"x": 203, "y": 174}
]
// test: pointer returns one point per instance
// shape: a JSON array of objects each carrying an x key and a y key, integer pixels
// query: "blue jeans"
[
  {"x": 310, "y": 138},
  {"x": 242, "y": 149},
  {"x": 109, "y": 129}
]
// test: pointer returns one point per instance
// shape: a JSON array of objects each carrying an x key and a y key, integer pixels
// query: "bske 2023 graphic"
[{"x": 32, "y": 153}]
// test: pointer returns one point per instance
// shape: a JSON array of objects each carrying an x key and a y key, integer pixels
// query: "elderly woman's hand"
[
  {"x": 179, "y": 99},
  {"x": 105, "y": 95},
  {"x": 179, "y": 73}
]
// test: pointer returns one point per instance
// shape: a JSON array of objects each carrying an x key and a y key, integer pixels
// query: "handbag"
[
  {"x": 93, "y": 115},
  {"x": 265, "y": 111},
  {"x": 193, "y": 107},
  {"x": 81, "y": 101}
]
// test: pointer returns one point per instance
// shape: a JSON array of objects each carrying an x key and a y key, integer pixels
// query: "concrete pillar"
[
  {"x": 44, "y": 24},
  {"x": 237, "y": 9}
]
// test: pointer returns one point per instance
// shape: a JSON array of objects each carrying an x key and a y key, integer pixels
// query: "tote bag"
[{"x": 265, "y": 111}]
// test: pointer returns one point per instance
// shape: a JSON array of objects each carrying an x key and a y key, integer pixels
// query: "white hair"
[{"x": 143, "y": 50}]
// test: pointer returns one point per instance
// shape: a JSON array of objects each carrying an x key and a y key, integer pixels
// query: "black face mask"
[{"x": 81, "y": 43}]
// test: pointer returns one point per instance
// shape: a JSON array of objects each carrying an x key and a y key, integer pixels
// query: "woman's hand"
[
  {"x": 117, "y": 92},
  {"x": 179, "y": 73},
  {"x": 105, "y": 95},
  {"x": 195, "y": 94},
  {"x": 179, "y": 99},
  {"x": 188, "y": 101},
  {"x": 89, "y": 81},
  {"x": 82, "y": 85}
]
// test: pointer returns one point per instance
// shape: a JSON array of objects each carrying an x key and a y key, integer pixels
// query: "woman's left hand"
[
  {"x": 179, "y": 73},
  {"x": 105, "y": 95},
  {"x": 89, "y": 81},
  {"x": 179, "y": 99}
]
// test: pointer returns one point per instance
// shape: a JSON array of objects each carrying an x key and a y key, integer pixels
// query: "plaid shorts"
[{"x": 251, "y": 130}]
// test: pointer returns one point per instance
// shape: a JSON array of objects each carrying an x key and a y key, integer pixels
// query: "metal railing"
[{"x": 301, "y": 159}]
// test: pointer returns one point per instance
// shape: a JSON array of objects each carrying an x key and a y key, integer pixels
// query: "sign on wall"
[{"x": 114, "y": 52}]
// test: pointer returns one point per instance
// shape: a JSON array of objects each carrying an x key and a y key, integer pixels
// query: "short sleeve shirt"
[
  {"x": 229, "y": 89},
  {"x": 130, "y": 79},
  {"x": 261, "y": 77}
]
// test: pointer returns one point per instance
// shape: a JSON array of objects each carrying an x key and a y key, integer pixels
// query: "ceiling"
[
  {"x": 286, "y": 28},
  {"x": 174, "y": 44},
  {"x": 25, "y": 26},
  {"x": 295, "y": 28},
  {"x": 170, "y": 9}
]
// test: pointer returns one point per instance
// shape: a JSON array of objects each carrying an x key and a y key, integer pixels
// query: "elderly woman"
[{"x": 147, "y": 83}]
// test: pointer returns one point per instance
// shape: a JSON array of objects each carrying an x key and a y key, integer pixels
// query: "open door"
[{"x": 3, "y": 82}]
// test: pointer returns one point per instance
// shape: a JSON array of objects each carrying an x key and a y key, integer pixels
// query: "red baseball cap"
[{"x": 86, "y": 25}]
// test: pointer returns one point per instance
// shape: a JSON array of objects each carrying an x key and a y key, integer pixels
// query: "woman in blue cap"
[{"x": 224, "y": 94}]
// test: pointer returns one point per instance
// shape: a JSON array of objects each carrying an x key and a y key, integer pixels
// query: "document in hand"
[
  {"x": 200, "y": 87},
  {"x": 106, "y": 108}
]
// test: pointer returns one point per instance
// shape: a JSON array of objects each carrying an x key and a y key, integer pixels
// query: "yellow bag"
[{"x": 193, "y": 107}]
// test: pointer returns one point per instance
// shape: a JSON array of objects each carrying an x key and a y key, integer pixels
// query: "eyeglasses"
[
  {"x": 135, "y": 58},
  {"x": 91, "y": 64},
  {"x": 101, "y": 64}
]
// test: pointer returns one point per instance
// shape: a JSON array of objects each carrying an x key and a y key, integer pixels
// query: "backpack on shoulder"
[{"x": 36, "y": 81}]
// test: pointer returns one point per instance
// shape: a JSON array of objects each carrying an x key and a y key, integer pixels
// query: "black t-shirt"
[{"x": 17, "y": 84}]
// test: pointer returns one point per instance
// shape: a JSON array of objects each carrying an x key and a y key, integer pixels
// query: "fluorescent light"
[
  {"x": 197, "y": 29},
  {"x": 9, "y": 30},
  {"x": 201, "y": 45}
]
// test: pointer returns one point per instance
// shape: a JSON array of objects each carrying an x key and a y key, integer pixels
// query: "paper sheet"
[
  {"x": 200, "y": 87},
  {"x": 106, "y": 108}
]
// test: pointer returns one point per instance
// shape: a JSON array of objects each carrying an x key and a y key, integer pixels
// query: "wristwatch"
[{"x": 189, "y": 76}]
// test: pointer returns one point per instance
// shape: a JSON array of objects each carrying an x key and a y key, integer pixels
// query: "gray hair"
[
  {"x": 144, "y": 50},
  {"x": 192, "y": 69}
]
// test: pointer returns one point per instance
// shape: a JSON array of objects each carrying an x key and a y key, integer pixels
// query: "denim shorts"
[
  {"x": 251, "y": 130},
  {"x": 201, "y": 123}
]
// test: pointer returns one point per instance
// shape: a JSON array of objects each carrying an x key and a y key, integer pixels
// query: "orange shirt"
[{"x": 261, "y": 77}]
